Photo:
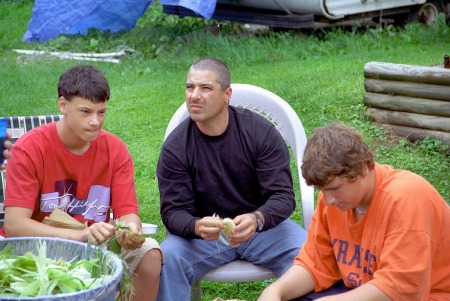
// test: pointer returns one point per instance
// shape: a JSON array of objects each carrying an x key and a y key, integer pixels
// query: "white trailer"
[{"x": 321, "y": 13}]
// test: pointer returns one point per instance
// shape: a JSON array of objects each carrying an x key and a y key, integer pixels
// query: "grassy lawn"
[{"x": 320, "y": 75}]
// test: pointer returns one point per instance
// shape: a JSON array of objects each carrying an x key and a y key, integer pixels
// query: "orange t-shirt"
[{"x": 401, "y": 245}]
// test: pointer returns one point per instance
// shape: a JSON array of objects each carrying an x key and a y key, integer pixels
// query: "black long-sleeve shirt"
[{"x": 243, "y": 170}]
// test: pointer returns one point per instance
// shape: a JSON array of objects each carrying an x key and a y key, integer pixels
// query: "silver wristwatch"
[{"x": 259, "y": 222}]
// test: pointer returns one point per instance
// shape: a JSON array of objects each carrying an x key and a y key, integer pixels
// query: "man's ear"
[{"x": 228, "y": 93}]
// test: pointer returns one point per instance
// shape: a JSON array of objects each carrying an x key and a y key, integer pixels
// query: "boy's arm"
[
  {"x": 294, "y": 283},
  {"x": 365, "y": 292},
  {"x": 18, "y": 222}
]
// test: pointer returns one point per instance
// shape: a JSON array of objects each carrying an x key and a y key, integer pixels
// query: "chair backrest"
[
  {"x": 286, "y": 121},
  {"x": 17, "y": 126}
]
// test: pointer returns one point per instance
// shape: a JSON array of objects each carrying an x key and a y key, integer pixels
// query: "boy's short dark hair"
[{"x": 84, "y": 81}]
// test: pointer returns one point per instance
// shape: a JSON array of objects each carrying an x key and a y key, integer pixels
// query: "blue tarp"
[
  {"x": 205, "y": 8},
  {"x": 52, "y": 18}
]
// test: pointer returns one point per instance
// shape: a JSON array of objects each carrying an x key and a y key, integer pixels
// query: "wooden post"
[
  {"x": 414, "y": 134},
  {"x": 414, "y": 101},
  {"x": 407, "y": 73},
  {"x": 410, "y": 119},
  {"x": 418, "y": 90},
  {"x": 407, "y": 104}
]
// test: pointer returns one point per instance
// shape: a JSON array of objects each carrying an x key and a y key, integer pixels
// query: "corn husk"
[
  {"x": 228, "y": 226},
  {"x": 61, "y": 219}
]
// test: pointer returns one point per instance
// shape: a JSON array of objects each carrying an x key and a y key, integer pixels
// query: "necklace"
[{"x": 360, "y": 211}]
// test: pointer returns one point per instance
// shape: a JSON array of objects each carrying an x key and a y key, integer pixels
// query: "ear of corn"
[
  {"x": 114, "y": 246},
  {"x": 126, "y": 286},
  {"x": 228, "y": 226}
]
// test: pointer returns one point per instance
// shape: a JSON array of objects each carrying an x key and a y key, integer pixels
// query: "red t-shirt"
[{"x": 43, "y": 174}]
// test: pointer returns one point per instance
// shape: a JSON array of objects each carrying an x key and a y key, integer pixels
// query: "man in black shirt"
[{"x": 224, "y": 161}]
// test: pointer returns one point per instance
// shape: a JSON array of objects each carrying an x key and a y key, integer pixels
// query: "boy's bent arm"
[
  {"x": 297, "y": 282},
  {"x": 18, "y": 222},
  {"x": 294, "y": 283}
]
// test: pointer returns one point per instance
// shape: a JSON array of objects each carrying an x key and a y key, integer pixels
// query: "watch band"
[{"x": 259, "y": 222}]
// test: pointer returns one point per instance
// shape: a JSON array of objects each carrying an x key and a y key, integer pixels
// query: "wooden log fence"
[
  {"x": 407, "y": 104},
  {"x": 413, "y": 101}
]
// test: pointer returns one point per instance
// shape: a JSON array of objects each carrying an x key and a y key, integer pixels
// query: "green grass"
[{"x": 320, "y": 75}]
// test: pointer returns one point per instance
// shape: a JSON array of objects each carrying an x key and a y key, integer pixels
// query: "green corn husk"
[
  {"x": 31, "y": 275},
  {"x": 126, "y": 287},
  {"x": 228, "y": 226}
]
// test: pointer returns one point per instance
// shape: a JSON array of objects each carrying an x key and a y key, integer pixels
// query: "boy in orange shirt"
[{"x": 383, "y": 232}]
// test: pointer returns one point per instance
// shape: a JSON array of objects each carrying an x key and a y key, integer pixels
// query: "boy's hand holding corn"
[{"x": 129, "y": 232}]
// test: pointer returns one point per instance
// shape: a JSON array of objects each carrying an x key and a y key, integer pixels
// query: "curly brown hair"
[{"x": 333, "y": 151}]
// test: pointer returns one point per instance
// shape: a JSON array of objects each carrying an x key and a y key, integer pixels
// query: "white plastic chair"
[{"x": 281, "y": 114}]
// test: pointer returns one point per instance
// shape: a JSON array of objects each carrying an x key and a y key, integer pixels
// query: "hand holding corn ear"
[
  {"x": 126, "y": 238},
  {"x": 228, "y": 226}
]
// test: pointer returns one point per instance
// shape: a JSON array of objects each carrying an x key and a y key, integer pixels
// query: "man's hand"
[
  {"x": 208, "y": 228},
  {"x": 245, "y": 229}
]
